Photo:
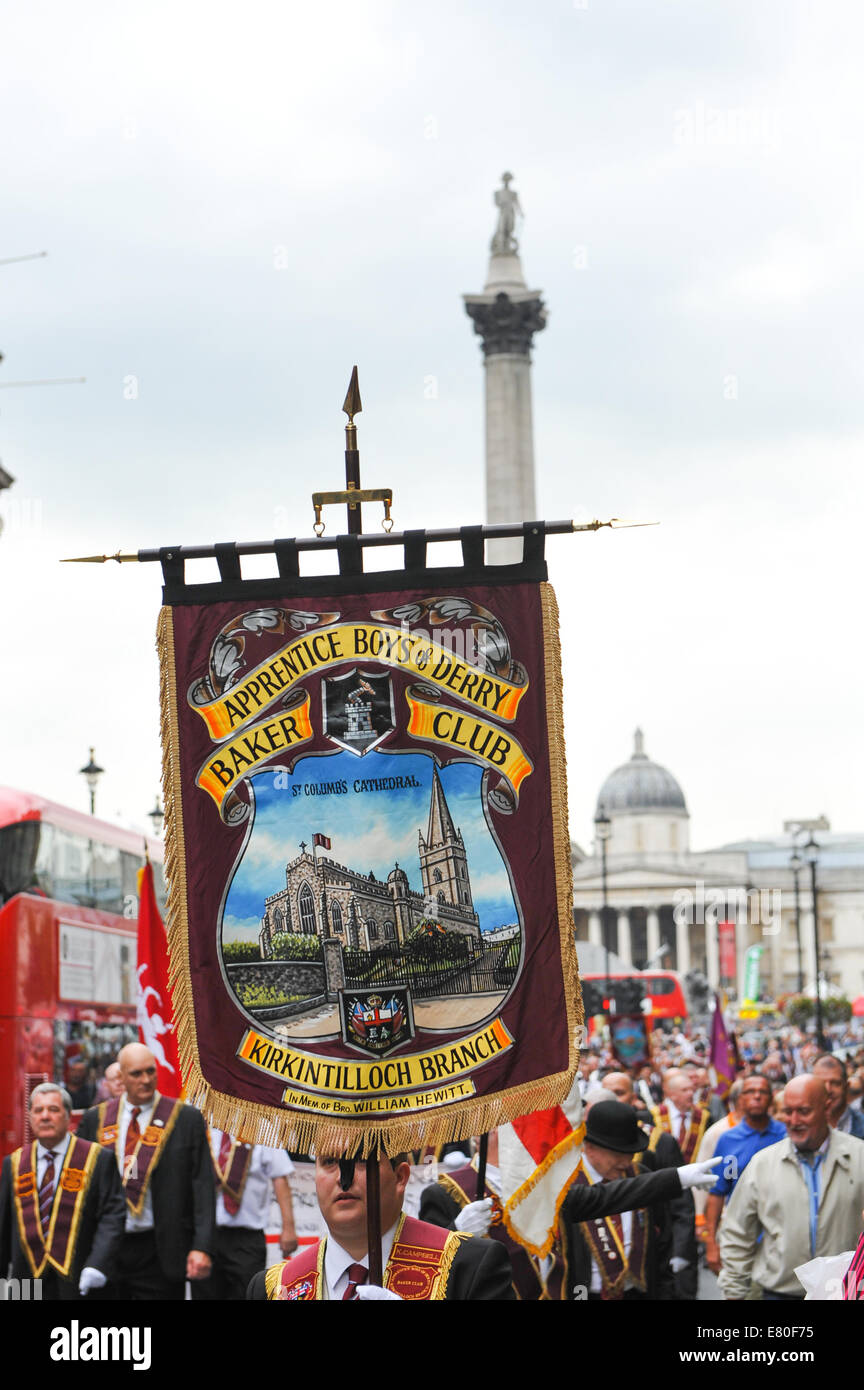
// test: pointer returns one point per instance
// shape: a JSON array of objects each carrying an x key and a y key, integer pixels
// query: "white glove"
[
  {"x": 700, "y": 1174},
  {"x": 476, "y": 1218},
  {"x": 373, "y": 1293},
  {"x": 91, "y": 1279},
  {"x": 677, "y": 1263}
]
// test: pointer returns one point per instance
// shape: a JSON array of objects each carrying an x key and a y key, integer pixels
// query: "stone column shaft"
[
  {"x": 624, "y": 948},
  {"x": 652, "y": 931},
  {"x": 682, "y": 947}
]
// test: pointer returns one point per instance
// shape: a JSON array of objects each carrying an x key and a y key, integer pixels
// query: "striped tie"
[
  {"x": 133, "y": 1136},
  {"x": 46, "y": 1194},
  {"x": 357, "y": 1274}
]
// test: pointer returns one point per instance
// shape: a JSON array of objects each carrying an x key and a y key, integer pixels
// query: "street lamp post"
[
  {"x": 602, "y": 831},
  {"x": 796, "y": 864},
  {"x": 91, "y": 774},
  {"x": 157, "y": 816},
  {"x": 811, "y": 854}
]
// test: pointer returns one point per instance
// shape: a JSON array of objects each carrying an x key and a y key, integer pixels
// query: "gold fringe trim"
[
  {"x": 561, "y": 824},
  {"x": 453, "y": 1190},
  {"x": 570, "y": 1141},
  {"x": 257, "y": 1123},
  {"x": 272, "y": 1277},
  {"x": 451, "y": 1250}
]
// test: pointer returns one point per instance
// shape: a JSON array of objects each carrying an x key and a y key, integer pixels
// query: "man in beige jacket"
[{"x": 803, "y": 1196}]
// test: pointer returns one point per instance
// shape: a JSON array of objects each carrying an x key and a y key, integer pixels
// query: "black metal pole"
[
  {"x": 606, "y": 922},
  {"x": 820, "y": 1034},
  {"x": 482, "y": 1155},
  {"x": 373, "y": 1217},
  {"x": 798, "y": 933}
]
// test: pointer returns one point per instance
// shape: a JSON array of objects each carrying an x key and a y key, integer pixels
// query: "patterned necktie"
[
  {"x": 133, "y": 1135},
  {"x": 357, "y": 1274},
  {"x": 682, "y": 1133},
  {"x": 232, "y": 1206},
  {"x": 46, "y": 1194}
]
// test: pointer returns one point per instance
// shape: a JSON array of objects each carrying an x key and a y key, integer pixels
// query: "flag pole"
[
  {"x": 373, "y": 1217},
  {"x": 482, "y": 1155}
]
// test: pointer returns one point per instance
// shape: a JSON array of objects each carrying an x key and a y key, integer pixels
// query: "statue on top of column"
[{"x": 507, "y": 202}]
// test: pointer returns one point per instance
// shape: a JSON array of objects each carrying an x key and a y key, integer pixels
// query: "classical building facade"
[
  {"x": 707, "y": 908},
  {"x": 324, "y": 898}
]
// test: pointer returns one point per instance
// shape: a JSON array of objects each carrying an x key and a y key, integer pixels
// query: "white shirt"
[
  {"x": 264, "y": 1165},
  {"x": 675, "y": 1118},
  {"x": 58, "y": 1153},
  {"x": 144, "y": 1222},
  {"x": 626, "y": 1222},
  {"x": 337, "y": 1263}
]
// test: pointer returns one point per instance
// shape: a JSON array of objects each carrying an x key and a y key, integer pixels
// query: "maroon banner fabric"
[{"x": 370, "y": 911}]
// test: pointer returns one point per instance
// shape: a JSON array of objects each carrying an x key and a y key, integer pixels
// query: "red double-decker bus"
[
  {"x": 68, "y": 938},
  {"x": 663, "y": 991}
]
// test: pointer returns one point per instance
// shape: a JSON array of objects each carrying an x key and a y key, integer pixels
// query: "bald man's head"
[
  {"x": 805, "y": 1103},
  {"x": 678, "y": 1086},
  {"x": 138, "y": 1070},
  {"x": 619, "y": 1083}
]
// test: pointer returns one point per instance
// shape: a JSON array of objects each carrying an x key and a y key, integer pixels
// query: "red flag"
[
  {"x": 320, "y": 841},
  {"x": 155, "y": 1014}
]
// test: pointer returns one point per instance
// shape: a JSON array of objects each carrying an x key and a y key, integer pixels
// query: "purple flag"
[{"x": 723, "y": 1058}]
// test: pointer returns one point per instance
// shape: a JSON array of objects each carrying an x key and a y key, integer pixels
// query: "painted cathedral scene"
[{"x": 416, "y": 921}]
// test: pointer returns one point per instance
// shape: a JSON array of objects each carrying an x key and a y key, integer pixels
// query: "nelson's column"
[{"x": 506, "y": 316}]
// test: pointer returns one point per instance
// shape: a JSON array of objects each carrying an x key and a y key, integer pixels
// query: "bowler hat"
[{"x": 611, "y": 1124}]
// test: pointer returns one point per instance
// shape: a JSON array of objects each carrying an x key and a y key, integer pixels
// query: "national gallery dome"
[{"x": 640, "y": 785}]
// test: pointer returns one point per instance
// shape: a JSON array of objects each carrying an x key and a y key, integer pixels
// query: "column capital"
[{"x": 506, "y": 324}]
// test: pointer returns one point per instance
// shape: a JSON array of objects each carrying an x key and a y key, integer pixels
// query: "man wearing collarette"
[
  {"x": 61, "y": 1205},
  {"x": 245, "y": 1176},
  {"x": 677, "y": 1115},
  {"x": 420, "y": 1261},
  {"x": 164, "y": 1162}
]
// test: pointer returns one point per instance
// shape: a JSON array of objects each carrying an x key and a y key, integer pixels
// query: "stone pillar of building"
[
  {"x": 595, "y": 929},
  {"x": 652, "y": 931},
  {"x": 624, "y": 949},
  {"x": 506, "y": 316},
  {"x": 682, "y": 946},
  {"x": 712, "y": 950}
]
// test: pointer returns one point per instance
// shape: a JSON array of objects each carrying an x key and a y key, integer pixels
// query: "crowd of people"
[{"x": 142, "y": 1201}]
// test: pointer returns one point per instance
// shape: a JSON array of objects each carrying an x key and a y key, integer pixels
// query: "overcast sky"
[{"x": 240, "y": 202}]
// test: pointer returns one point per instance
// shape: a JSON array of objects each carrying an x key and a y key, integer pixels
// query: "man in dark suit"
[
  {"x": 421, "y": 1261},
  {"x": 164, "y": 1162},
  {"x": 663, "y": 1151},
  {"x": 622, "y": 1257},
  {"x": 61, "y": 1205}
]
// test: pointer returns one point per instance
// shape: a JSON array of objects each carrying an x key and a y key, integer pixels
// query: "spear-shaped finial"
[{"x": 353, "y": 405}]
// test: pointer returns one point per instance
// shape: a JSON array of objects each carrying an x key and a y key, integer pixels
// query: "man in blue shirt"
[{"x": 756, "y": 1131}]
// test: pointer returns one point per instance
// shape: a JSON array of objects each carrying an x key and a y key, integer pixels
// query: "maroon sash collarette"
[
  {"x": 617, "y": 1269},
  {"x": 232, "y": 1177},
  {"x": 137, "y": 1171},
  {"x": 56, "y": 1246},
  {"x": 699, "y": 1118}
]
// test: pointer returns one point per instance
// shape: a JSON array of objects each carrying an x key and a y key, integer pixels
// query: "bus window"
[{"x": 18, "y": 851}]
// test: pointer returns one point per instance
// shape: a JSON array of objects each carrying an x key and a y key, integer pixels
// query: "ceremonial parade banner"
[{"x": 370, "y": 907}]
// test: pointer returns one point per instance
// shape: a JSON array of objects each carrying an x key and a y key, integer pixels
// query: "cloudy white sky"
[{"x": 240, "y": 203}]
